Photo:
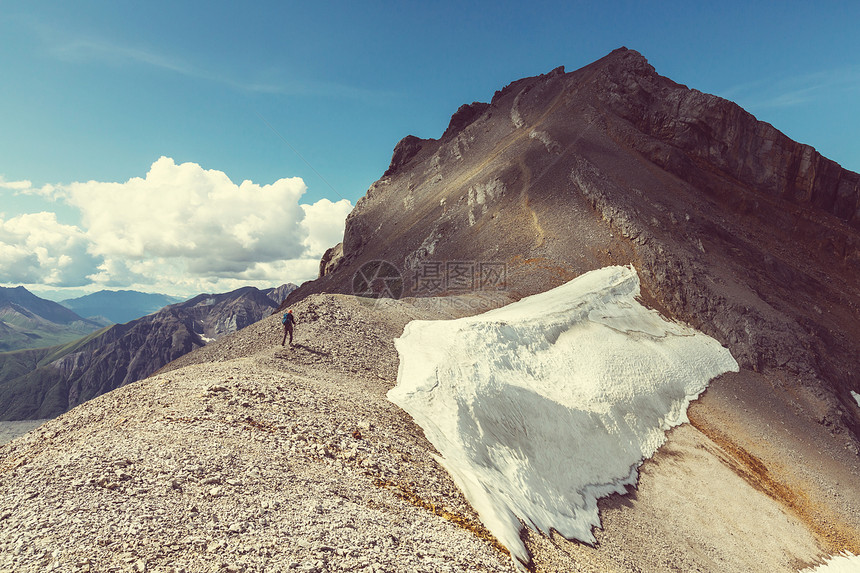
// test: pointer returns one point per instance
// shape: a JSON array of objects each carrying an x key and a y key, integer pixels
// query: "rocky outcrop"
[
  {"x": 331, "y": 259},
  {"x": 465, "y": 115},
  {"x": 709, "y": 133},
  {"x": 404, "y": 151}
]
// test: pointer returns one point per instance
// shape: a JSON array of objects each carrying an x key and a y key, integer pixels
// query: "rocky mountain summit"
[
  {"x": 46, "y": 382},
  {"x": 733, "y": 227}
]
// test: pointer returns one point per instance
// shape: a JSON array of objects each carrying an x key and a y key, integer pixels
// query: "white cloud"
[
  {"x": 324, "y": 222},
  {"x": 181, "y": 228},
  {"x": 15, "y": 185},
  {"x": 183, "y": 211},
  {"x": 35, "y": 248}
]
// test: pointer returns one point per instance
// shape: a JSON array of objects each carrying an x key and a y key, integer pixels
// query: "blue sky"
[{"x": 98, "y": 91}]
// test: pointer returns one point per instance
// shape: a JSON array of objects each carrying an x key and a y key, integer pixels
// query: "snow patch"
[
  {"x": 543, "y": 406},
  {"x": 856, "y": 397},
  {"x": 845, "y": 562}
]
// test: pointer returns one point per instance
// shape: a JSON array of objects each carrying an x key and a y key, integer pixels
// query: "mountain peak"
[
  {"x": 47, "y": 309},
  {"x": 663, "y": 167},
  {"x": 10, "y": 291},
  {"x": 28, "y": 321},
  {"x": 628, "y": 57}
]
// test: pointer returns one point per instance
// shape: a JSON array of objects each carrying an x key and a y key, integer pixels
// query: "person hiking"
[{"x": 288, "y": 321}]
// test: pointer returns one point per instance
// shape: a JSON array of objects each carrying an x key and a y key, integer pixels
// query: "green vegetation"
[{"x": 17, "y": 338}]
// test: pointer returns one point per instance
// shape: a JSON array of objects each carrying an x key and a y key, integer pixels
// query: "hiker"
[{"x": 288, "y": 321}]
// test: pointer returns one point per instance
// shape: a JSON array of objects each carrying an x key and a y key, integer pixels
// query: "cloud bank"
[
  {"x": 181, "y": 228},
  {"x": 35, "y": 248}
]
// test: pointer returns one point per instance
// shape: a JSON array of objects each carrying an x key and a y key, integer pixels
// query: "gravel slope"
[
  {"x": 278, "y": 459},
  {"x": 246, "y": 456}
]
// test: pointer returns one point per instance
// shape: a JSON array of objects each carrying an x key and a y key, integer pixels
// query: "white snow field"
[
  {"x": 856, "y": 397},
  {"x": 843, "y": 563},
  {"x": 543, "y": 406}
]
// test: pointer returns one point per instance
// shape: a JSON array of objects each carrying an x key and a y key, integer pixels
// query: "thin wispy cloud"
[
  {"x": 783, "y": 92},
  {"x": 89, "y": 50}
]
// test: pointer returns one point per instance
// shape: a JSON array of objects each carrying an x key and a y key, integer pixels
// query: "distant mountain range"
[
  {"x": 45, "y": 382},
  {"x": 119, "y": 306},
  {"x": 27, "y": 321}
]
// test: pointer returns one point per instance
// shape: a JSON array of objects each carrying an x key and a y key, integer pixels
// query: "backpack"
[
  {"x": 288, "y": 319},
  {"x": 284, "y": 320}
]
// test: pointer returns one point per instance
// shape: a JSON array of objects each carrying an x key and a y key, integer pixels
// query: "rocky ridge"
[{"x": 257, "y": 458}]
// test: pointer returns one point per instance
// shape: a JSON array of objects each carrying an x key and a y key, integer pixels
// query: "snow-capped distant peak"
[{"x": 542, "y": 407}]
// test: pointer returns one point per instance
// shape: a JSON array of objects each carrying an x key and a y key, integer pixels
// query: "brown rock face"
[
  {"x": 708, "y": 133},
  {"x": 733, "y": 227},
  {"x": 404, "y": 151},
  {"x": 331, "y": 259}
]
